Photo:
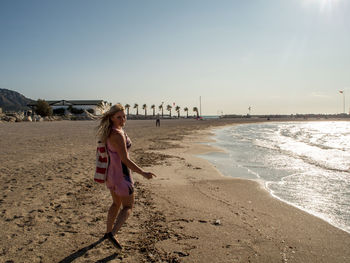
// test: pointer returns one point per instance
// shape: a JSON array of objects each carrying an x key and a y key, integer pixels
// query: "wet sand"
[{"x": 52, "y": 210}]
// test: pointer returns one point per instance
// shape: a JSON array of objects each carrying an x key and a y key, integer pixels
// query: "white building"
[{"x": 98, "y": 106}]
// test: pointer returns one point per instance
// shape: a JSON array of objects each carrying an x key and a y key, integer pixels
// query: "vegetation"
[
  {"x": 168, "y": 108},
  {"x": 127, "y": 107},
  {"x": 161, "y": 108},
  {"x": 177, "y": 108},
  {"x": 144, "y": 107},
  {"x": 136, "y": 106},
  {"x": 195, "y": 109},
  {"x": 42, "y": 108},
  {"x": 186, "y": 110}
]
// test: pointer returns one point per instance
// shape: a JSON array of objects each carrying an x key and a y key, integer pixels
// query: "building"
[{"x": 98, "y": 106}]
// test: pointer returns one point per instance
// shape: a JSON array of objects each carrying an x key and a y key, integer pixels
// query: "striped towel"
[{"x": 102, "y": 162}]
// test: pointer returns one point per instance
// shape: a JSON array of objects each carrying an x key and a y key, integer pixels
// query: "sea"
[{"x": 305, "y": 164}]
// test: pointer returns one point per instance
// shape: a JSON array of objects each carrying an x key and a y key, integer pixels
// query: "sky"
[{"x": 275, "y": 56}]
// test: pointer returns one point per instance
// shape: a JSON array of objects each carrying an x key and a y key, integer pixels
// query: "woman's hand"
[{"x": 148, "y": 175}]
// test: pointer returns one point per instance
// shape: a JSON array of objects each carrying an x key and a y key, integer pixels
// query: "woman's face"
[{"x": 119, "y": 119}]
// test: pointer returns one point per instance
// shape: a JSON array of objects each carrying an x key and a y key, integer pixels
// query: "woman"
[{"x": 119, "y": 180}]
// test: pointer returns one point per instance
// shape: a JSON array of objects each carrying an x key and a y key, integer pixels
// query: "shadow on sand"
[{"x": 83, "y": 250}]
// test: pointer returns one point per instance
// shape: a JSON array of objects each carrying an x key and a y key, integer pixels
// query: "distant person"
[
  {"x": 158, "y": 121},
  {"x": 119, "y": 180}
]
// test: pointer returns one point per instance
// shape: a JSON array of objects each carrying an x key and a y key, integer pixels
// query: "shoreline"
[
  {"x": 218, "y": 179},
  {"x": 261, "y": 182},
  {"x": 307, "y": 211}
]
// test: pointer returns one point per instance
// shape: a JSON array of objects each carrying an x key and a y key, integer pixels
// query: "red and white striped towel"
[{"x": 102, "y": 162}]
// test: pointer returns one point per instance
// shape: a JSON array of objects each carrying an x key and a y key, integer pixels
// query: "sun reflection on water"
[{"x": 305, "y": 164}]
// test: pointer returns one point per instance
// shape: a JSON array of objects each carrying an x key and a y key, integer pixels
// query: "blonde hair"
[{"x": 105, "y": 126}]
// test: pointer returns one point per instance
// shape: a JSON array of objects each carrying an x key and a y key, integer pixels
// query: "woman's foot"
[{"x": 113, "y": 240}]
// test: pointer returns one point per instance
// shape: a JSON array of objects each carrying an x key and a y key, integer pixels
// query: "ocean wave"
[
  {"x": 323, "y": 165},
  {"x": 310, "y": 150},
  {"x": 312, "y": 161},
  {"x": 317, "y": 136},
  {"x": 305, "y": 164}
]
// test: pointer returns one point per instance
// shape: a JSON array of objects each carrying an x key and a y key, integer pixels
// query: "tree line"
[
  {"x": 43, "y": 108},
  {"x": 161, "y": 109}
]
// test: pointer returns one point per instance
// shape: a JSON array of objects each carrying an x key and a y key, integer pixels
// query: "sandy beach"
[{"x": 53, "y": 211}]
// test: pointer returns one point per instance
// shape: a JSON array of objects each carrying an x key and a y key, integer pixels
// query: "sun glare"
[{"x": 324, "y": 5}]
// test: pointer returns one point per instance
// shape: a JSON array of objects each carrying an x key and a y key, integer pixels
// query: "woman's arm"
[{"x": 117, "y": 140}]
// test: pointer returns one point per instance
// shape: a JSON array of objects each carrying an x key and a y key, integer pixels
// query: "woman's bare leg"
[
  {"x": 128, "y": 203},
  {"x": 113, "y": 211}
]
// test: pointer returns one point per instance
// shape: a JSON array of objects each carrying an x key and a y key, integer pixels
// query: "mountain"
[{"x": 13, "y": 101}]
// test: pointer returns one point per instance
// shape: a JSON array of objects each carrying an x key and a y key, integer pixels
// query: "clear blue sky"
[{"x": 277, "y": 56}]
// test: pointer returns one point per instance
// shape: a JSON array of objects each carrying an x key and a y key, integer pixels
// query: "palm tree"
[
  {"x": 153, "y": 107},
  {"x": 144, "y": 107},
  {"x": 127, "y": 107},
  {"x": 186, "y": 109},
  {"x": 136, "y": 106},
  {"x": 177, "y": 108},
  {"x": 195, "y": 109},
  {"x": 168, "y": 108},
  {"x": 160, "y": 107}
]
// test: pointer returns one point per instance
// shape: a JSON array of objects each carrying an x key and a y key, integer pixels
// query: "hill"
[{"x": 13, "y": 101}]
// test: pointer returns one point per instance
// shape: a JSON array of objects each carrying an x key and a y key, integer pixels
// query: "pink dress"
[{"x": 119, "y": 178}]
